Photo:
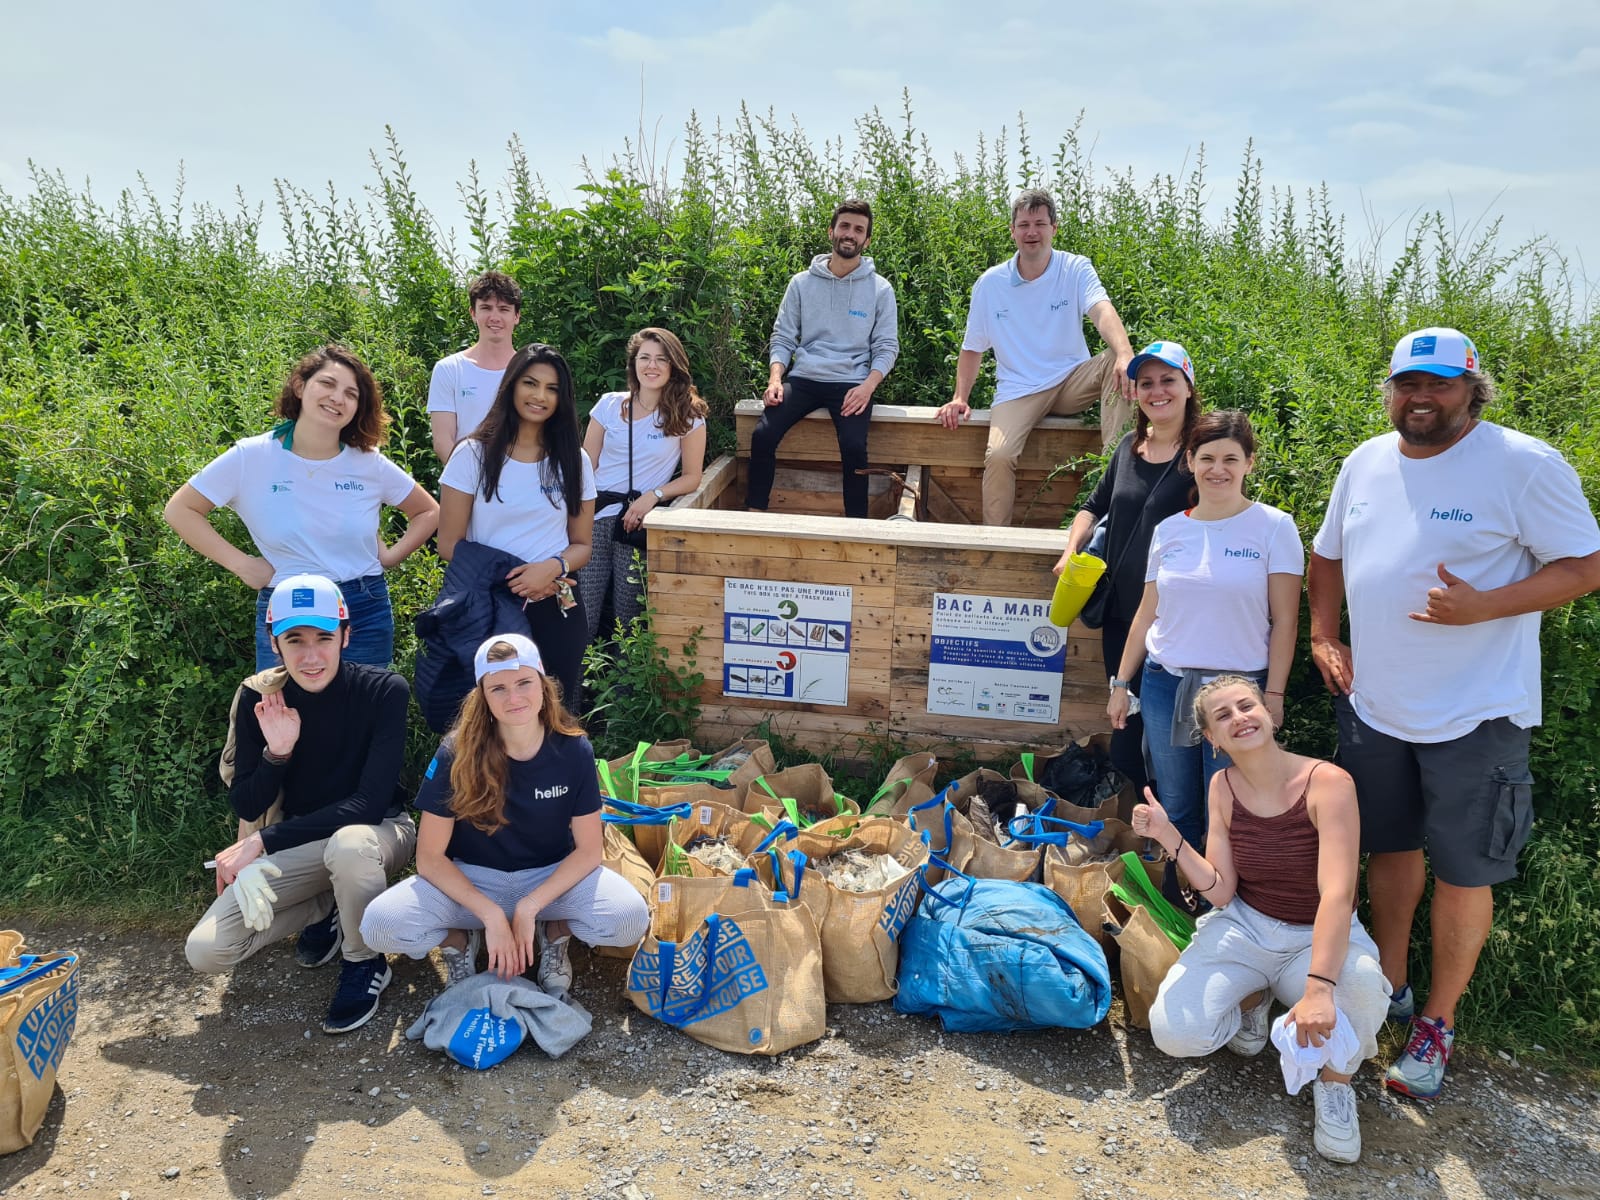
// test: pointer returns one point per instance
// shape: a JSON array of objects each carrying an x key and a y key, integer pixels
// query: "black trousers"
[
  {"x": 562, "y": 639},
  {"x": 802, "y": 396},
  {"x": 1127, "y": 744}
]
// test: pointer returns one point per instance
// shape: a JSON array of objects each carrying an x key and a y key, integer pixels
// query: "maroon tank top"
[{"x": 1276, "y": 859}]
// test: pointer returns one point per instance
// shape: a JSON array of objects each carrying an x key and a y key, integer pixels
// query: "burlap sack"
[
  {"x": 38, "y": 1013},
  {"x": 908, "y": 783},
  {"x": 1042, "y": 768},
  {"x": 758, "y": 761},
  {"x": 617, "y": 851},
  {"x": 709, "y": 819},
  {"x": 950, "y": 836},
  {"x": 728, "y": 966},
  {"x": 989, "y": 859},
  {"x": 1078, "y": 874},
  {"x": 1144, "y": 955},
  {"x": 803, "y": 795},
  {"x": 619, "y": 777},
  {"x": 860, "y": 931}
]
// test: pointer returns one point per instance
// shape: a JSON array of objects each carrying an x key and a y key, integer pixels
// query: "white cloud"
[
  {"x": 1389, "y": 134},
  {"x": 1584, "y": 62},
  {"x": 1478, "y": 83},
  {"x": 1392, "y": 103}
]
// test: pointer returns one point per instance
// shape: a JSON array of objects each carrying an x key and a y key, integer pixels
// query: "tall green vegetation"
[{"x": 139, "y": 338}]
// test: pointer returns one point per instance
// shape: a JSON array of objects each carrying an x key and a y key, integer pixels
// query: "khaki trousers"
[
  {"x": 352, "y": 867},
  {"x": 1011, "y": 421}
]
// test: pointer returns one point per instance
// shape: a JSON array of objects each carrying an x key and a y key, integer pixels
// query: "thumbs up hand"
[{"x": 1456, "y": 603}]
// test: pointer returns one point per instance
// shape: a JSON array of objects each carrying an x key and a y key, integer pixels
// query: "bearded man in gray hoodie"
[{"x": 838, "y": 326}]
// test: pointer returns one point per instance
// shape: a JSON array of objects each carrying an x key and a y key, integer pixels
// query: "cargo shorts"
[{"x": 1467, "y": 802}]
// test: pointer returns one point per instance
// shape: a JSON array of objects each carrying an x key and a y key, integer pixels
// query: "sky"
[{"x": 1472, "y": 107}]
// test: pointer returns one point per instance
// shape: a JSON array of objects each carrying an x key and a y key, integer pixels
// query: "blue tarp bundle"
[{"x": 994, "y": 956}]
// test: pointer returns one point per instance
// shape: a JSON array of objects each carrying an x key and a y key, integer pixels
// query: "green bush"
[{"x": 139, "y": 339}]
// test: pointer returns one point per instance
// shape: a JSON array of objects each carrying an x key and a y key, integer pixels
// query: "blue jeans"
[
  {"x": 1182, "y": 774},
  {"x": 371, "y": 624}
]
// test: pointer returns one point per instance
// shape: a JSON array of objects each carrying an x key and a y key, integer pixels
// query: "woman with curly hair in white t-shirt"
[
  {"x": 310, "y": 493},
  {"x": 637, "y": 440}
]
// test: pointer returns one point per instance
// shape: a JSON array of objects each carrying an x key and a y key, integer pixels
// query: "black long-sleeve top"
[
  {"x": 1121, "y": 494},
  {"x": 345, "y": 767}
]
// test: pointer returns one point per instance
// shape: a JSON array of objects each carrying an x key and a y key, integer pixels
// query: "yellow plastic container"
[{"x": 1074, "y": 588}]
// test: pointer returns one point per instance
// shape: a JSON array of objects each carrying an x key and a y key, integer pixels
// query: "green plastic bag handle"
[
  {"x": 1027, "y": 766},
  {"x": 1178, "y": 926}
]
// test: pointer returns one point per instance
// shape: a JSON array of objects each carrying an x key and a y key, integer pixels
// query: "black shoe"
[
  {"x": 360, "y": 985},
  {"x": 320, "y": 940}
]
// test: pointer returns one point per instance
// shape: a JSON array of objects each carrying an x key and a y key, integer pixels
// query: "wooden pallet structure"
[{"x": 924, "y": 539}]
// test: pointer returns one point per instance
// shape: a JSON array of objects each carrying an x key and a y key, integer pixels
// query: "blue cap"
[{"x": 1170, "y": 353}]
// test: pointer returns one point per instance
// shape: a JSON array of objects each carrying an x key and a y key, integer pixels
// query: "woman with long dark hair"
[
  {"x": 522, "y": 484},
  {"x": 637, "y": 439},
  {"x": 310, "y": 493},
  {"x": 1221, "y": 595},
  {"x": 1144, "y": 484},
  {"x": 509, "y": 849}
]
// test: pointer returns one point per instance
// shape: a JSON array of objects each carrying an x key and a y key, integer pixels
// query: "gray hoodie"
[{"x": 837, "y": 330}]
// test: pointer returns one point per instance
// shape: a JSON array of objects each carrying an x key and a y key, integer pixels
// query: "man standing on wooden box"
[
  {"x": 1029, "y": 310},
  {"x": 1447, "y": 537},
  {"x": 839, "y": 327}
]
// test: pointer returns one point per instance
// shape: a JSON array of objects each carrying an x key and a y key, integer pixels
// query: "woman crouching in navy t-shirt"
[{"x": 508, "y": 851}]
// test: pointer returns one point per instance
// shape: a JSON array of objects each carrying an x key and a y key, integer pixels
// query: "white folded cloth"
[{"x": 1301, "y": 1064}]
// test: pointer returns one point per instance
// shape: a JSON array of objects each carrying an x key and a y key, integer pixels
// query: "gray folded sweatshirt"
[
  {"x": 481, "y": 1021},
  {"x": 837, "y": 330}
]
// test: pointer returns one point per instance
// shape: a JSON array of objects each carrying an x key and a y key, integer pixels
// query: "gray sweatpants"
[
  {"x": 353, "y": 867},
  {"x": 414, "y": 916},
  {"x": 1238, "y": 951}
]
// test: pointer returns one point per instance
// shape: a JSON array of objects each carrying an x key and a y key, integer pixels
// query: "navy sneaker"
[
  {"x": 320, "y": 940},
  {"x": 360, "y": 985}
]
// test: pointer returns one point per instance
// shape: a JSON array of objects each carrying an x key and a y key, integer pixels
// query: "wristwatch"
[
  {"x": 658, "y": 494},
  {"x": 1118, "y": 683}
]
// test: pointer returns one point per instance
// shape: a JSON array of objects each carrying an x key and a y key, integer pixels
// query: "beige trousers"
[
  {"x": 1011, "y": 421},
  {"x": 351, "y": 867}
]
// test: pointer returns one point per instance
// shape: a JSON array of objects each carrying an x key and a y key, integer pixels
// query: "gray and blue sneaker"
[
  {"x": 1419, "y": 1071},
  {"x": 1402, "y": 1005}
]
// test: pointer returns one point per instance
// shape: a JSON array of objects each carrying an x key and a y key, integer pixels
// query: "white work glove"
[{"x": 254, "y": 894}]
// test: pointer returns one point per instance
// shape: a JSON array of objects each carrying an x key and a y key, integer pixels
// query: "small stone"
[
  {"x": 170, "y": 1173},
  {"x": 481, "y": 1148},
  {"x": 982, "y": 1085},
  {"x": 378, "y": 1091}
]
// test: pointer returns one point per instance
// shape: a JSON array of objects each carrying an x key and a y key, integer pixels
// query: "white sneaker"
[
  {"x": 461, "y": 964},
  {"x": 1251, "y": 1039},
  {"x": 554, "y": 973},
  {"x": 1338, "y": 1136}
]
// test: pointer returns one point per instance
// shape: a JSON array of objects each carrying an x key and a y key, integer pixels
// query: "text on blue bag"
[
  {"x": 483, "y": 1040},
  {"x": 44, "y": 1033},
  {"x": 707, "y": 977}
]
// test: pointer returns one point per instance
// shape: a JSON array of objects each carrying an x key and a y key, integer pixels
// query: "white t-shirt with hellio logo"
[
  {"x": 1492, "y": 508},
  {"x": 1211, "y": 587},
  {"x": 1034, "y": 326},
  {"x": 525, "y": 518},
  {"x": 306, "y": 516},
  {"x": 655, "y": 455},
  {"x": 460, "y": 386}
]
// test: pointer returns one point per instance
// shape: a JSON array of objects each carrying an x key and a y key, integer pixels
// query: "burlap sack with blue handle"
[
  {"x": 38, "y": 1012},
  {"x": 728, "y": 965}
]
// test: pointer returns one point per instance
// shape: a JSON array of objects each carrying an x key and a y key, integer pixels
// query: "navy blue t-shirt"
[{"x": 542, "y": 796}]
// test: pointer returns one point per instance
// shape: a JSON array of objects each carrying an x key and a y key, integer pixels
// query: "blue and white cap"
[
  {"x": 1437, "y": 350},
  {"x": 527, "y": 656},
  {"x": 1170, "y": 353},
  {"x": 306, "y": 600}
]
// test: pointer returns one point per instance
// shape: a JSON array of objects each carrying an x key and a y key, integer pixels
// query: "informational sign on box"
[
  {"x": 996, "y": 657},
  {"x": 786, "y": 641}
]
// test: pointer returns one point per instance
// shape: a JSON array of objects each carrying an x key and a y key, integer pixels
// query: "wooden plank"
[
  {"x": 744, "y": 566},
  {"x": 772, "y": 545},
  {"x": 888, "y": 533},
  {"x": 716, "y": 478},
  {"x": 910, "y": 501},
  {"x": 868, "y": 707}
]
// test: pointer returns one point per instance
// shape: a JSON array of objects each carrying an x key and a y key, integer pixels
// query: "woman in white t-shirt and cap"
[
  {"x": 636, "y": 440},
  {"x": 1221, "y": 596},
  {"x": 522, "y": 484},
  {"x": 509, "y": 847},
  {"x": 310, "y": 493}
]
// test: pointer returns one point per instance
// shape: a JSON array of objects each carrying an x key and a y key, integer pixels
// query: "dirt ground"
[{"x": 178, "y": 1085}]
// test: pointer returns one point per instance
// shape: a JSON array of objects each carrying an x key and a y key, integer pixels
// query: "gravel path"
[{"x": 179, "y": 1085}]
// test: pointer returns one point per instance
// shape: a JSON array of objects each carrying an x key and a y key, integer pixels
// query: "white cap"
[
  {"x": 1437, "y": 350},
  {"x": 527, "y": 656},
  {"x": 306, "y": 600}
]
